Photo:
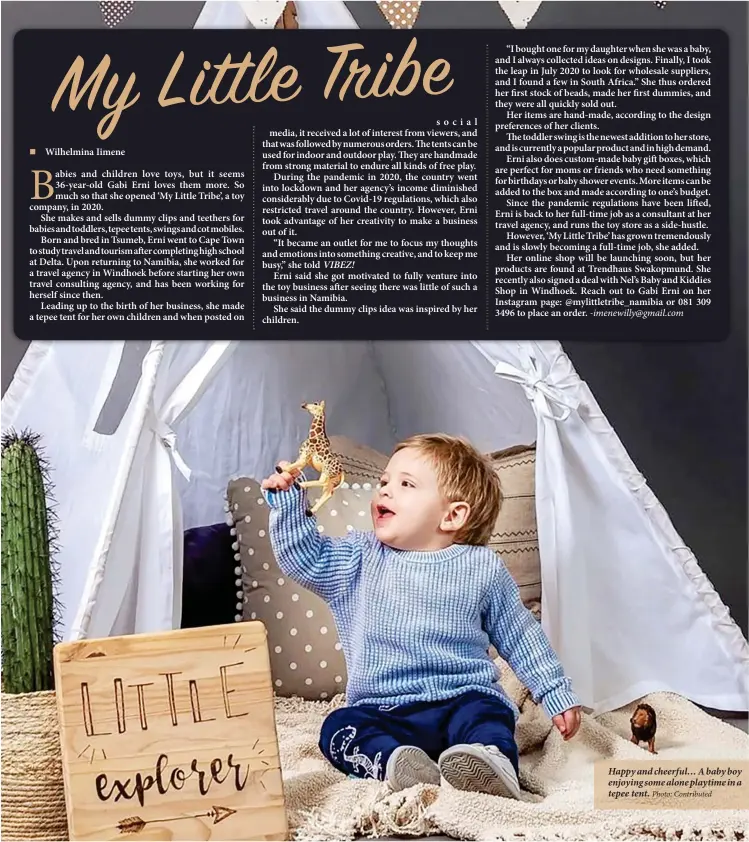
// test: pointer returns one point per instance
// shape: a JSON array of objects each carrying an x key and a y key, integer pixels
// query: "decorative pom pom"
[
  {"x": 237, "y": 557},
  {"x": 235, "y": 546},
  {"x": 237, "y": 618}
]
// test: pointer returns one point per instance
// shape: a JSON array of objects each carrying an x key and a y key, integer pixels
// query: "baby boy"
[{"x": 417, "y": 603}]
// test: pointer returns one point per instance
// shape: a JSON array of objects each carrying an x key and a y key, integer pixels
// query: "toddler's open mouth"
[{"x": 382, "y": 512}]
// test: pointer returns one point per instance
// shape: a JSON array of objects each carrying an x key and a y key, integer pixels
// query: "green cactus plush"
[{"x": 29, "y": 608}]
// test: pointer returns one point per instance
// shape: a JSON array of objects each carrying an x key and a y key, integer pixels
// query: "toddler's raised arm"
[{"x": 326, "y": 566}]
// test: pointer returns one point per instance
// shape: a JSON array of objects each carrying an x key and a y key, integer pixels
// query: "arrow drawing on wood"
[{"x": 135, "y": 823}]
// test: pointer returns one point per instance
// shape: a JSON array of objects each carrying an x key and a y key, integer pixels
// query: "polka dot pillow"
[{"x": 305, "y": 653}]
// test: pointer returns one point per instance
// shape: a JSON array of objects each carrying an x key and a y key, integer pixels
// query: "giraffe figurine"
[{"x": 317, "y": 452}]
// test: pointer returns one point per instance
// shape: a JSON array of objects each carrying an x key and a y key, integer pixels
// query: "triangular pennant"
[
  {"x": 263, "y": 14},
  {"x": 400, "y": 14},
  {"x": 519, "y": 12},
  {"x": 288, "y": 17},
  {"x": 115, "y": 11}
]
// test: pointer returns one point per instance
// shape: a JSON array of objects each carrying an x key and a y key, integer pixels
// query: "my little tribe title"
[{"x": 220, "y": 83}]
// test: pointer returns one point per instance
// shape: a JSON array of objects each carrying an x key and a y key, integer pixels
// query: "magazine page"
[{"x": 374, "y": 420}]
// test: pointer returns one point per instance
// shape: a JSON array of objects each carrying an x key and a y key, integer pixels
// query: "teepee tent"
[{"x": 144, "y": 436}]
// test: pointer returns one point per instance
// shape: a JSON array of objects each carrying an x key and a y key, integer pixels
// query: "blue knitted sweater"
[{"x": 416, "y": 626}]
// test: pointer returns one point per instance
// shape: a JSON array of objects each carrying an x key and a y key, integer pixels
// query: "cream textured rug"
[{"x": 556, "y": 777}]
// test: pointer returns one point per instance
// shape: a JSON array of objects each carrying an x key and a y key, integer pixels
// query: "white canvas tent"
[{"x": 143, "y": 438}]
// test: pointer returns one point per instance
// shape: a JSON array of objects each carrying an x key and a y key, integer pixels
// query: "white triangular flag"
[
  {"x": 519, "y": 12},
  {"x": 263, "y": 14}
]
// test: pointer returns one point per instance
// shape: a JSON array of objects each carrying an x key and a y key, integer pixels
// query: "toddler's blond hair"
[{"x": 463, "y": 473}]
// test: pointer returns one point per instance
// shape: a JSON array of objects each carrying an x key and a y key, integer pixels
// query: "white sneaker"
[
  {"x": 479, "y": 768},
  {"x": 408, "y": 766}
]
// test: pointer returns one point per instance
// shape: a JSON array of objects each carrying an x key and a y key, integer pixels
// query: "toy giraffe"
[{"x": 317, "y": 452}]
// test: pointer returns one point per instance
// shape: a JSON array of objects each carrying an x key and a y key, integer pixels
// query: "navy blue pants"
[{"x": 359, "y": 740}]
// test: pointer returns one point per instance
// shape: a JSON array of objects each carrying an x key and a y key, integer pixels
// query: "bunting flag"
[
  {"x": 279, "y": 14},
  {"x": 264, "y": 14},
  {"x": 400, "y": 14},
  {"x": 519, "y": 12},
  {"x": 115, "y": 11},
  {"x": 288, "y": 17}
]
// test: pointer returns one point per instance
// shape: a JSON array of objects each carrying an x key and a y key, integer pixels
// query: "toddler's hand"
[
  {"x": 567, "y": 723},
  {"x": 281, "y": 480}
]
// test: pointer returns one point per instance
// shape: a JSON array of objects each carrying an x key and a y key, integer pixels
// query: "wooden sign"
[{"x": 170, "y": 736}]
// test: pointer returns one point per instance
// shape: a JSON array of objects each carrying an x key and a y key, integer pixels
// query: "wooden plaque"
[{"x": 170, "y": 736}]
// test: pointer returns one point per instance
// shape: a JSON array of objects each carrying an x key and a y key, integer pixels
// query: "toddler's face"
[{"x": 409, "y": 510}]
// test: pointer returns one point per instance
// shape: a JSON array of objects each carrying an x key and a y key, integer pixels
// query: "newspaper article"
[
  {"x": 374, "y": 420},
  {"x": 562, "y": 184}
]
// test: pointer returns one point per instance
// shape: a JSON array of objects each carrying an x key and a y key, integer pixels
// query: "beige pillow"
[
  {"x": 515, "y": 536},
  {"x": 306, "y": 656},
  {"x": 361, "y": 464}
]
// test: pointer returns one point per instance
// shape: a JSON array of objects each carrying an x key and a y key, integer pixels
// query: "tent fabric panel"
[
  {"x": 449, "y": 387},
  {"x": 692, "y": 581},
  {"x": 598, "y": 542},
  {"x": 141, "y": 550},
  {"x": 104, "y": 588}
]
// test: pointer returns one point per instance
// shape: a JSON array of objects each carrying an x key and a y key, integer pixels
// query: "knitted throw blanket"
[{"x": 556, "y": 778}]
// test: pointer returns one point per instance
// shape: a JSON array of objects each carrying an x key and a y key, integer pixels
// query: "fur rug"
[{"x": 556, "y": 778}]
